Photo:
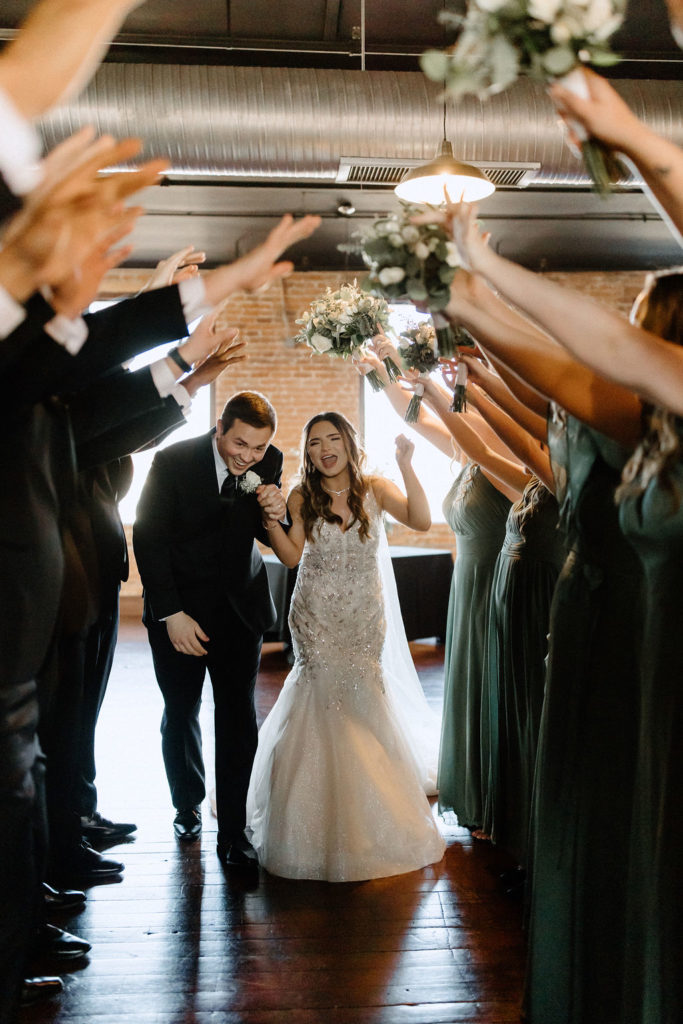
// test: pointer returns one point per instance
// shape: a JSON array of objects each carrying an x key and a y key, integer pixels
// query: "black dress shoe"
[
  {"x": 35, "y": 989},
  {"x": 187, "y": 823},
  {"x": 239, "y": 854},
  {"x": 62, "y": 899},
  {"x": 88, "y": 865},
  {"x": 54, "y": 942},
  {"x": 94, "y": 827}
]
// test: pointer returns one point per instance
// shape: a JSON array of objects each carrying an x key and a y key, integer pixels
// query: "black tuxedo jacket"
[
  {"x": 33, "y": 365},
  {"x": 193, "y": 551}
]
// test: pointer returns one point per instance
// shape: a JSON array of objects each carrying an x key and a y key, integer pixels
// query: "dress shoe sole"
[
  {"x": 63, "y": 954},
  {"x": 41, "y": 988}
]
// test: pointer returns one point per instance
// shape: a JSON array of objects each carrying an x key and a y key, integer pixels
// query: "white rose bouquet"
[
  {"x": 501, "y": 40},
  {"x": 418, "y": 353},
  {"x": 417, "y": 261},
  {"x": 341, "y": 322}
]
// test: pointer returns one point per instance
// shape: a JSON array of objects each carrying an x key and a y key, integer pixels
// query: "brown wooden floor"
[{"x": 177, "y": 941}]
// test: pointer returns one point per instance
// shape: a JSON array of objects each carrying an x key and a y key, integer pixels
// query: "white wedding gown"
[{"x": 337, "y": 791}]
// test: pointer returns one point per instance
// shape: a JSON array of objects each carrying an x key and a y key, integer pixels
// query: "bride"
[{"x": 337, "y": 790}]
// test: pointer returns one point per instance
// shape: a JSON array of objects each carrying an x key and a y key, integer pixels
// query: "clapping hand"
[
  {"x": 177, "y": 267},
  {"x": 75, "y": 293},
  {"x": 229, "y": 350}
]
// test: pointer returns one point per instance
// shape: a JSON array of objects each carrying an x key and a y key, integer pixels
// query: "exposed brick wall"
[{"x": 300, "y": 385}]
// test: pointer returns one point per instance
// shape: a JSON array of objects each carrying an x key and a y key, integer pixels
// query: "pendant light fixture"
[
  {"x": 429, "y": 182},
  {"x": 426, "y": 183}
]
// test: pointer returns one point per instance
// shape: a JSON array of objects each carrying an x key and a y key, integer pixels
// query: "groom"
[{"x": 207, "y": 603}]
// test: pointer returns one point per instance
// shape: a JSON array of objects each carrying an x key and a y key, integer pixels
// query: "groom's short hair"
[{"x": 250, "y": 407}]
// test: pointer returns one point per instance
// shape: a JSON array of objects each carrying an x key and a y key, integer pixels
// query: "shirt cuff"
[
  {"x": 12, "y": 313},
  {"x": 182, "y": 397},
  {"x": 20, "y": 150},
  {"x": 71, "y": 334},
  {"x": 193, "y": 298},
  {"x": 163, "y": 378}
]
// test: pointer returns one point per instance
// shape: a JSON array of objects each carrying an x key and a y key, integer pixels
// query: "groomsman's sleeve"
[{"x": 153, "y": 537}]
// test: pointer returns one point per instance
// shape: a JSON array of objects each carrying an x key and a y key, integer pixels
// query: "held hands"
[
  {"x": 185, "y": 634},
  {"x": 272, "y": 502}
]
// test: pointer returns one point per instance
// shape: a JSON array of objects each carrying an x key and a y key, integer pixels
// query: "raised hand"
[
  {"x": 228, "y": 351},
  {"x": 260, "y": 267},
  {"x": 177, "y": 267},
  {"x": 603, "y": 115},
  {"x": 55, "y": 231},
  {"x": 404, "y": 451},
  {"x": 79, "y": 288},
  {"x": 186, "y": 634}
]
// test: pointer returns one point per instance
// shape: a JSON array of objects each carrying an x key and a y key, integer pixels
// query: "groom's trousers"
[{"x": 232, "y": 662}]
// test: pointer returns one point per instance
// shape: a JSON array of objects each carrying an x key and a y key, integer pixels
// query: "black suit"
[
  {"x": 197, "y": 554},
  {"x": 36, "y": 454}
]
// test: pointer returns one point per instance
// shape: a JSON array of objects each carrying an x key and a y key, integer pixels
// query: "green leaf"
[
  {"x": 604, "y": 58},
  {"x": 559, "y": 60},
  {"x": 416, "y": 291},
  {"x": 435, "y": 64}
]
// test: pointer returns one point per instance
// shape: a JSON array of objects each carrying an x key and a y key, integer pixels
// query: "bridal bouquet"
[
  {"x": 502, "y": 40},
  {"x": 418, "y": 353},
  {"x": 341, "y": 322},
  {"x": 417, "y": 261}
]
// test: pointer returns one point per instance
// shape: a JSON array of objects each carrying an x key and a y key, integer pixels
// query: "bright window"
[
  {"x": 200, "y": 420},
  {"x": 383, "y": 424}
]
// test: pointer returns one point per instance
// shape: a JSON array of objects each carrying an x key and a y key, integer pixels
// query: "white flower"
[
  {"x": 250, "y": 481},
  {"x": 452, "y": 255},
  {"x": 396, "y": 240},
  {"x": 320, "y": 342},
  {"x": 391, "y": 275},
  {"x": 601, "y": 19},
  {"x": 491, "y": 6},
  {"x": 421, "y": 251},
  {"x": 410, "y": 233},
  {"x": 561, "y": 31},
  {"x": 544, "y": 10}
]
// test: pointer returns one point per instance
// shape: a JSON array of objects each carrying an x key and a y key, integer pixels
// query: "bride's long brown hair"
[{"x": 317, "y": 502}]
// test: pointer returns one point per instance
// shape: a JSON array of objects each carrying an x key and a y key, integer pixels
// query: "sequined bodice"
[{"x": 337, "y": 612}]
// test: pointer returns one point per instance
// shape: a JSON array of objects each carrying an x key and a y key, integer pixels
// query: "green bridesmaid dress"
[
  {"x": 585, "y": 768},
  {"x": 653, "y": 522},
  {"x": 524, "y": 581},
  {"x": 476, "y": 512}
]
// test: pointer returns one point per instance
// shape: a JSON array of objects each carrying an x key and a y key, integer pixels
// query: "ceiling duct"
[
  {"x": 294, "y": 124},
  {"x": 358, "y": 170}
]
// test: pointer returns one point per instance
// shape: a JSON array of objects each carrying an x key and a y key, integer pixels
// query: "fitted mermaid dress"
[{"x": 336, "y": 792}]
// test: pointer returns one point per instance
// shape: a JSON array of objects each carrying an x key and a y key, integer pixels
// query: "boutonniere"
[{"x": 249, "y": 482}]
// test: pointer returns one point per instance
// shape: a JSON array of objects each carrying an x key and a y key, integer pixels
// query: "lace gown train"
[{"x": 336, "y": 792}]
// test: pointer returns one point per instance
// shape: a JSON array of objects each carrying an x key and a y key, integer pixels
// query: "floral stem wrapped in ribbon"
[
  {"x": 341, "y": 322},
  {"x": 548, "y": 40},
  {"x": 414, "y": 261},
  {"x": 418, "y": 353}
]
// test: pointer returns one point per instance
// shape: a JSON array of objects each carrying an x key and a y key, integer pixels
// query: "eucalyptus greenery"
[{"x": 501, "y": 40}]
